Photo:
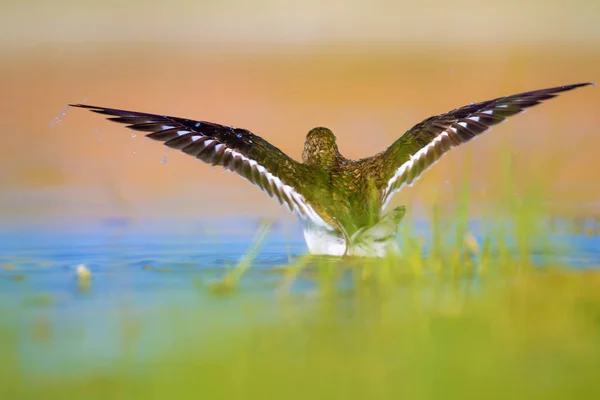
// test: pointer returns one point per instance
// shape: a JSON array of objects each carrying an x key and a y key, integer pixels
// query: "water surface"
[{"x": 141, "y": 275}]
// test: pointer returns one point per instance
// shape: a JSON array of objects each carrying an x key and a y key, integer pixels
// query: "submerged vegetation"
[{"x": 490, "y": 309}]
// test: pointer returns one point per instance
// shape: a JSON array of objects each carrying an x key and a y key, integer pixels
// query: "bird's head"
[{"x": 320, "y": 147}]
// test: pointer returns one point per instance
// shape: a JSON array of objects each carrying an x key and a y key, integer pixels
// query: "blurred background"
[
  {"x": 369, "y": 70},
  {"x": 132, "y": 309}
]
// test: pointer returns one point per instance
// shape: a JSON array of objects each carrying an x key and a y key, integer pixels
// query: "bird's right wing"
[
  {"x": 425, "y": 143},
  {"x": 235, "y": 149}
]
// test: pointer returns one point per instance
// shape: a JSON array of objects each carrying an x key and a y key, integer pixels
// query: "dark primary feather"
[
  {"x": 221, "y": 145},
  {"x": 398, "y": 164}
]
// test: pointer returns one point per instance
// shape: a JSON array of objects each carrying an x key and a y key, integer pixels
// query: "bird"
[{"x": 340, "y": 202}]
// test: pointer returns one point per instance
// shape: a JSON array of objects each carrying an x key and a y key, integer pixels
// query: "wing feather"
[
  {"x": 424, "y": 144},
  {"x": 235, "y": 149}
]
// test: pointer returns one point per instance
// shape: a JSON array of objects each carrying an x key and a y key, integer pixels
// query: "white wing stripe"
[
  {"x": 300, "y": 205},
  {"x": 404, "y": 168}
]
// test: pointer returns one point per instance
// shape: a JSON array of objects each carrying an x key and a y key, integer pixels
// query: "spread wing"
[
  {"x": 423, "y": 145},
  {"x": 235, "y": 149}
]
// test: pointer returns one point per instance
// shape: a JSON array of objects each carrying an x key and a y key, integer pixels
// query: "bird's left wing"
[
  {"x": 235, "y": 149},
  {"x": 424, "y": 144}
]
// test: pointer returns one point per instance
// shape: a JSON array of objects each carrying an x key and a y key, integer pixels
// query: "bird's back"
[{"x": 353, "y": 198}]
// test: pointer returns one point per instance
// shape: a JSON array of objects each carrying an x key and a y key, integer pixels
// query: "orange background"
[{"x": 369, "y": 71}]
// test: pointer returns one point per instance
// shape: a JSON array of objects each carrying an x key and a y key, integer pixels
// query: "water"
[
  {"x": 58, "y": 118},
  {"x": 136, "y": 276},
  {"x": 138, "y": 273}
]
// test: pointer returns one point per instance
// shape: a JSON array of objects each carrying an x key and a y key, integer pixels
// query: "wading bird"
[{"x": 339, "y": 201}]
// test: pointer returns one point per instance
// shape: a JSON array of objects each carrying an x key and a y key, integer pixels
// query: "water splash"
[
  {"x": 98, "y": 132},
  {"x": 59, "y": 117},
  {"x": 165, "y": 156},
  {"x": 62, "y": 114}
]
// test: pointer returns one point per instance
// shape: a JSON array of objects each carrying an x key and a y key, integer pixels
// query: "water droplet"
[
  {"x": 59, "y": 117},
  {"x": 133, "y": 135},
  {"x": 197, "y": 124},
  {"x": 164, "y": 159},
  {"x": 250, "y": 141},
  {"x": 97, "y": 131}
]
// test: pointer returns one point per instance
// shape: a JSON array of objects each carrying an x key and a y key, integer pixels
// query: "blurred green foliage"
[{"x": 471, "y": 319}]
